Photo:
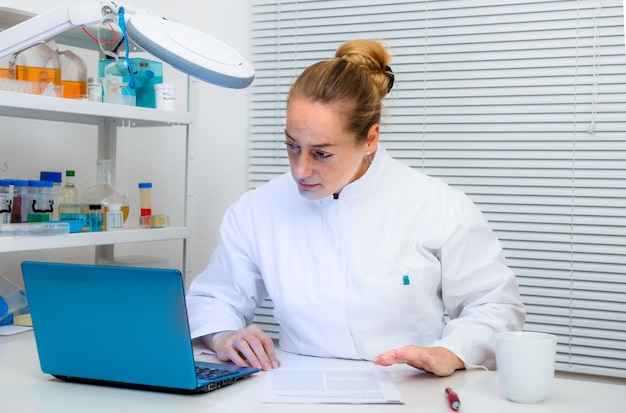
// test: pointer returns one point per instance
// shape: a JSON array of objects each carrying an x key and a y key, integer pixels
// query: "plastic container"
[
  {"x": 12, "y": 300},
  {"x": 19, "y": 212},
  {"x": 75, "y": 225},
  {"x": 165, "y": 96},
  {"x": 6, "y": 200},
  {"x": 158, "y": 221},
  {"x": 145, "y": 199},
  {"x": 34, "y": 228},
  {"x": 73, "y": 72},
  {"x": 38, "y": 64},
  {"x": 94, "y": 90},
  {"x": 116, "y": 84},
  {"x": 148, "y": 74},
  {"x": 103, "y": 192},
  {"x": 114, "y": 218},
  {"x": 76, "y": 212},
  {"x": 73, "y": 75},
  {"x": 40, "y": 201},
  {"x": 56, "y": 179},
  {"x": 145, "y": 204}
]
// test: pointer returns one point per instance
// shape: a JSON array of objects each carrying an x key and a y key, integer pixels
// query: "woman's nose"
[{"x": 303, "y": 166}]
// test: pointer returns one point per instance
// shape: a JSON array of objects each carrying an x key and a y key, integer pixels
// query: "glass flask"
[{"x": 104, "y": 193}]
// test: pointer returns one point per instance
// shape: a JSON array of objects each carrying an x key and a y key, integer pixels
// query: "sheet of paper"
[
  {"x": 317, "y": 386},
  {"x": 11, "y": 329}
]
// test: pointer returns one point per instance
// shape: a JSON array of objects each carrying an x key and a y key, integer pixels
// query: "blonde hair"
[{"x": 354, "y": 82}]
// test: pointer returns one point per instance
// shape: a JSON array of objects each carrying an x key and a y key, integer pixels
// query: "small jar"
[
  {"x": 114, "y": 219},
  {"x": 40, "y": 201},
  {"x": 94, "y": 89}
]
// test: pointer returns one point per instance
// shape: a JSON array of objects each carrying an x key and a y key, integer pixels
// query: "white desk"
[{"x": 24, "y": 389}]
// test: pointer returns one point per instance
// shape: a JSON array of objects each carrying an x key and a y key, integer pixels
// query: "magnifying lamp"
[{"x": 186, "y": 49}]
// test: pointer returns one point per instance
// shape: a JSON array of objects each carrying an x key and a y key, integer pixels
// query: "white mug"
[{"x": 525, "y": 364}]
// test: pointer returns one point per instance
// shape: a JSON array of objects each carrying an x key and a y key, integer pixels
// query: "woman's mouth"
[{"x": 307, "y": 187}]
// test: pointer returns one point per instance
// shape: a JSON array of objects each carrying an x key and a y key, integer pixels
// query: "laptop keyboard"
[{"x": 207, "y": 373}]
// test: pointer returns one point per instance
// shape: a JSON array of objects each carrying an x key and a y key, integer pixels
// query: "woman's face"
[{"x": 323, "y": 157}]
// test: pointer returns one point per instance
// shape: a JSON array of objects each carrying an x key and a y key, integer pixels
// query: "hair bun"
[{"x": 391, "y": 77}]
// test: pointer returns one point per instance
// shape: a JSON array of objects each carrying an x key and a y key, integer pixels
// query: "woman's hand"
[
  {"x": 249, "y": 346},
  {"x": 437, "y": 360}
]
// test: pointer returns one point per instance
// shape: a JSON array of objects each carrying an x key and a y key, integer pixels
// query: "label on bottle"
[
  {"x": 114, "y": 220},
  {"x": 94, "y": 91}
]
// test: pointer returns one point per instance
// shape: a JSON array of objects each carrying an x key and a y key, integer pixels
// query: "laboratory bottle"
[
  {"x": 96, "y": 218},
  {"x": 103, "y": 192},
  {"x": 114, "y": 218},
  {"x": 56, "y": 179},
  {"x": 94, "y": 89},
  {"x": 69, "y": 193},
  {"x": 73, "y": 72},
  {"x": 40, "y": 201},
  {"x": 19, "y": 210},
  {"x": 145, "y": 199},
  {"x": 6, "y": 200},
  {"x": 38, "y": 64},
  {"x": 145, "y": 204},
  {"x": 12, "y": 300}
]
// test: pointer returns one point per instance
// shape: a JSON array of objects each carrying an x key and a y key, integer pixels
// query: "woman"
[{"x": 362, "y": 256}]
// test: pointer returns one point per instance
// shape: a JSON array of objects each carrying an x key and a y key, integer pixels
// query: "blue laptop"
[{"x": 118, "y": 326}]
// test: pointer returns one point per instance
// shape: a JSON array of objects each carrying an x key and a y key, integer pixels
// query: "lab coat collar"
[{"x": 362, "y": 186}]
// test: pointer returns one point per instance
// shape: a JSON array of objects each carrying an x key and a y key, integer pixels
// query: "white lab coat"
[{"x": 373, "y": 270}]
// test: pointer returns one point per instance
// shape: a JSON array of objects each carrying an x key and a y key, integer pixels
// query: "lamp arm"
[{"x": 49, "y": 24}]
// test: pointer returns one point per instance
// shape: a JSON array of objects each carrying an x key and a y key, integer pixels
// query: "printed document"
[
  {"x": 361, "y": 386},
  {"x": 11, "y": 329}
]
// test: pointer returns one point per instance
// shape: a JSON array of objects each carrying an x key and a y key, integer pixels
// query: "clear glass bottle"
[
  {"x": 103, "y": 192},
  {"x": 69, "y": 193},
  {"x": 96, "y": 218}
]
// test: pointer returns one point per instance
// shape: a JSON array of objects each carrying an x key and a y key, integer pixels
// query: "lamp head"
[{"x": 186, "y": 49}]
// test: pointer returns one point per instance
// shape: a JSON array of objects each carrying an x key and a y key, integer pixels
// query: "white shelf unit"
[{"x": 107, "y": 118}]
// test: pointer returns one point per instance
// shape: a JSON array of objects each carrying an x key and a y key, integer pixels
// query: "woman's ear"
[{"x": 372, "y": 138}]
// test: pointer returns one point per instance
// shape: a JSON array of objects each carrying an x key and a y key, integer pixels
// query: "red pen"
[{"x": 453, "y": 399}]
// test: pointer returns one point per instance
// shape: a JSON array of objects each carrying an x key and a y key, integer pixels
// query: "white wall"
[{"x": 26, "y": 147}]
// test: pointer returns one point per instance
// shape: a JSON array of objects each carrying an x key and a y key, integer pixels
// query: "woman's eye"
[
  {"x": 292, "y": 147},
  {"x": 322, "y": 155}
]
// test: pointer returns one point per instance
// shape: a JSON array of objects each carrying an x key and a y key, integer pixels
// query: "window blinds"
[{"x": 520, "y": 104}]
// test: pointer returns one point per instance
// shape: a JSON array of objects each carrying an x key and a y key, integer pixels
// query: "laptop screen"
[{"x": 116, "y": 324}]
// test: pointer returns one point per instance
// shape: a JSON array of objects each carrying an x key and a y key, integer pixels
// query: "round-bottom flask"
[{"x": 104, "y": 193}]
